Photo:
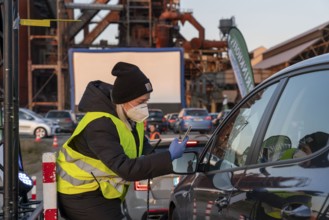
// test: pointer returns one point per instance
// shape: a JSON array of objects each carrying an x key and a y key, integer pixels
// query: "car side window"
[
  {"x": 299, "y": 125},
  {"x": 22, "y": 115},
  {"x": 234, "y": 139}
]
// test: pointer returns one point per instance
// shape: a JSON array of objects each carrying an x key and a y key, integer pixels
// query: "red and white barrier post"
[
  {"x": 34, "y": 188},
  {"x": 34, "y": 191},
  {"x": 49, "y": 186},
  {"x": 194, "y": 210},
  {"x": 208, "y": 210}
]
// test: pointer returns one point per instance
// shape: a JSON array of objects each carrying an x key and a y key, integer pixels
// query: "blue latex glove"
[{"x": 177, "y": 149}]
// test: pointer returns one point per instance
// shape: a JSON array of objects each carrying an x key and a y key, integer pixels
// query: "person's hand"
[{"x": 177, "y": 149}]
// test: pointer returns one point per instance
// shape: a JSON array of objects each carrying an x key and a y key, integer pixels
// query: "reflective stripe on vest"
[{"x": 77, "y": 173}]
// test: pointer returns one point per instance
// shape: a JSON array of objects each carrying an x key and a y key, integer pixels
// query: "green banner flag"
[{"x": 239, "y": 57}]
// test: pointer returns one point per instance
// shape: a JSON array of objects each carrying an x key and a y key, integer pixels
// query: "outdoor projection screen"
[{"x": 163, "y": 66}]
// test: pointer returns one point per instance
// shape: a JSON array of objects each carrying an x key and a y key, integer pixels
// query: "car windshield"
[
  {"x": 58, "y": 115},
  {"x": 34, "y": 114},
  {"x": 174, "y": 116},
  {"x": 155, "y": 114},
  {"x": 197, "y": 112},
  {"x": 213, "y": 115}
]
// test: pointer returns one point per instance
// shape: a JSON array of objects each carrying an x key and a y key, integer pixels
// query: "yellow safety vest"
[{"x": 77, "y": 173}]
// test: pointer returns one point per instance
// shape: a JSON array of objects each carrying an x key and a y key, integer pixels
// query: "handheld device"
[
  {"x": 187, "y": 132},
  {"x": 155, "y": 146}
]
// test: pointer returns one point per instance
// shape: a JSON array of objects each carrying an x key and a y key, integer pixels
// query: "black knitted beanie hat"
[{"x": 130, "y": 83}]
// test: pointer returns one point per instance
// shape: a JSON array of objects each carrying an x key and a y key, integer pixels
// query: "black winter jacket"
[{"x": 100, "y": 139}]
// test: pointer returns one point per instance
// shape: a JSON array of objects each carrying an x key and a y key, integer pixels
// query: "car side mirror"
[{"x": 185, "y": 164}]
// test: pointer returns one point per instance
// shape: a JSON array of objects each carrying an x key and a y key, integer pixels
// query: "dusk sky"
[{"x": 262, "y": 22}]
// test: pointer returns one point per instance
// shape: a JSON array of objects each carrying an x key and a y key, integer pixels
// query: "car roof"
[
  {"x": 28, "y": 111},
  {"x": 194, "y": 108},
  {"x": 314, "y": 61},
  {"x": 60, "y": 111}
]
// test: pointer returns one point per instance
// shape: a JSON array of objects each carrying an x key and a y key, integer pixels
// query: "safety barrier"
[
  {"x": 34, "y": 188},
  {"x": 50, "y": 210}
]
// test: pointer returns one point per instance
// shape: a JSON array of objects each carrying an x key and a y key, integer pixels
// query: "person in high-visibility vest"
[
  {"x": 154, "y": 134},
  {"x": 104, "y": 153}
]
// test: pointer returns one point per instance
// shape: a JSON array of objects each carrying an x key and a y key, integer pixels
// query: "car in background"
[
  {"x": 156, "y": 117},
  {"x": 213, "y": 115},
  {"x": 135, "y": 205},
  {"x": 198, "y": 118},
  {"x": 219, "y": 118},
  {"x": 66, "y": 119},
  {"x": 269, "y": 159},
  {"x": 31, "y": 123},
  {"x": 79, "y": 116},
  {"x": 171, "y": 119}
]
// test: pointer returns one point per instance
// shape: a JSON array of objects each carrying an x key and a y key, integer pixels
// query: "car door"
[
  {"x": 291, "y": 176},
  {"x": 213, "y": 194},
  {"x": 25, "y": 123}
]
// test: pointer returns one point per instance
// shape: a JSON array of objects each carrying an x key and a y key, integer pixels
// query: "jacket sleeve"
[{"x": 103, "y": 140}]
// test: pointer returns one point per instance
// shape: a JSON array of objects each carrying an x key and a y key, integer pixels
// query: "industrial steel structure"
[{"x": 140, "y": 23}]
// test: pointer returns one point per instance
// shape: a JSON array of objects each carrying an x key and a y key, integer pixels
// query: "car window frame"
[
  {"x": 264, "y": 120},
  {"x": 284, "y": 79},
  {"x": 27, "y": 116}
]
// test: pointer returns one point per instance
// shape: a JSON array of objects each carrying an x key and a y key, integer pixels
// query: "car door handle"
[
  {"x": 221, "y": 203},
  {"x": 301, "y": 211}
]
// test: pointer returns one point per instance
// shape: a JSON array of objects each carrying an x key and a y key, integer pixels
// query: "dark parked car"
[
  {"x": 66, "y": 119},
  {"x": 171, "y": 119},
  {"x": 269, "y": 158},
  {"x": 156, "y": 117},
  {"x": 216, "y": 120},
  {"x": 135, "y": 206},
  {"x": 79, "y": 116},
  {"x": 213, "y": 115},
  {"x": 198, "y": 118}
]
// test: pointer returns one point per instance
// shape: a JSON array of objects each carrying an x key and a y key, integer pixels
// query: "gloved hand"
[{"x": 177, "y": 149}]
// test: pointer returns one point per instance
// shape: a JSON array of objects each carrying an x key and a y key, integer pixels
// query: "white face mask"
[{"x": 138, "y": 113}]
